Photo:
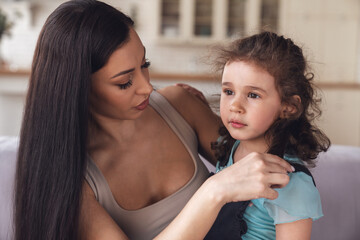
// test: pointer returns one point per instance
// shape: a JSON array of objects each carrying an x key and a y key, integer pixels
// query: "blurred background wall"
[{"x": 179, "y": 34}]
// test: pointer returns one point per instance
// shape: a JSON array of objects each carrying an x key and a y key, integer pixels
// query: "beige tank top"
[{"x": 149, "y": 221}]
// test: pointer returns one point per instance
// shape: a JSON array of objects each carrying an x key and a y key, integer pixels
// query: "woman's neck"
[{"x": 113, "y": 130}]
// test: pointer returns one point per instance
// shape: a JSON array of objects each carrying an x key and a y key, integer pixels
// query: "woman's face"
[{"x": 121, "y": 89}]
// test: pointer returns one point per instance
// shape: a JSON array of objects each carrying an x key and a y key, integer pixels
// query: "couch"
[{"x": 336, "y": 175}]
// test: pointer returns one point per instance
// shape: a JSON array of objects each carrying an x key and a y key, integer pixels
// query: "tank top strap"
[
  {"x": 99, "y": 185},
  {"x": 176, "y": 122}
]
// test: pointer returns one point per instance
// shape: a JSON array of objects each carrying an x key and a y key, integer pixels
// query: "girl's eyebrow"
[
  {"x": 256, "y": 88},
  {"x": 226, "y": 84},
  {"x": 128, "y": 70}
]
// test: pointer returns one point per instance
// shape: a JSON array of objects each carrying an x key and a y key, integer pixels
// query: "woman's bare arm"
[
  {"x": 95, "y": 222},
  {"x": 250, "y": 178},
  {"x": 198, "y": 114}
]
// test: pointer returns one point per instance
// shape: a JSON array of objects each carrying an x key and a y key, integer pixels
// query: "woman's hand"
[
  {"x": 252, "y": 177},
  {"x": 249, "y": 178},
  {"x": 193, "y": 91}
]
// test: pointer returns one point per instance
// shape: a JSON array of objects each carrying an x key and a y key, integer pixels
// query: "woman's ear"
[{"x": 291, "y": 108}]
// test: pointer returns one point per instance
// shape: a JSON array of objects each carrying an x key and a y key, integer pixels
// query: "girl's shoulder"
[{"x": 300, "y": 199}]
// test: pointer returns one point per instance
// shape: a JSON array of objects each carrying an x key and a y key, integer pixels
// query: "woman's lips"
[
  {"x": 236, "y": 124},
  {"x": 143, "y": 105}
]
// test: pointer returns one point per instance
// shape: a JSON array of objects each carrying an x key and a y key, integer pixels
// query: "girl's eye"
[
  {"x": 228, "y": 92},
  {"x": 253, "y": 95},
  {"x": 126, "y": 85},
  {"x": 146, "y": 64}
]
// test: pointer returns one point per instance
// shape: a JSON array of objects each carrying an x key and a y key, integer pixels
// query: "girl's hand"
[{"x": 251, "y": 177}]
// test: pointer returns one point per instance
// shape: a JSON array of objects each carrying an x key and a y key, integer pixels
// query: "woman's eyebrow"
[
  {"x": 123, "y": 72},
  {"x": 129, "y": 70}
]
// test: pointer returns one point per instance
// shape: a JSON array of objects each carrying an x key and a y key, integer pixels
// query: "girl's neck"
[{"x": 248, "y": 146}]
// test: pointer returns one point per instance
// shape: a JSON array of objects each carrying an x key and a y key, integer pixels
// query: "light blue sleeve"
[{"x": 300, "y": 199}]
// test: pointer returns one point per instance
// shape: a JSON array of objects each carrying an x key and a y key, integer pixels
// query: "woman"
[{"x": 88, "y": 116}]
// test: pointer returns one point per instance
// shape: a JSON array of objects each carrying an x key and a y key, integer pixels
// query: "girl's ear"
[{"x": 292, "y": 108}]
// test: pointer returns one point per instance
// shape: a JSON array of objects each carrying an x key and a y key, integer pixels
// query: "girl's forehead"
[{"x": 242, "y": 73}]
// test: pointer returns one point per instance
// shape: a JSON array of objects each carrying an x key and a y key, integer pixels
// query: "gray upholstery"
[
  {"x": 337, "y": 178},
  {"x": 8, "y": 147}
]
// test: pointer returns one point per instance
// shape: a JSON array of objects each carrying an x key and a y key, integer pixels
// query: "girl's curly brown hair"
[{"x": 295, "y": 134}]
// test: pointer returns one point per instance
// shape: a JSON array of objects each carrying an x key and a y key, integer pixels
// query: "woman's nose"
[{"x": 144, "y": 87}]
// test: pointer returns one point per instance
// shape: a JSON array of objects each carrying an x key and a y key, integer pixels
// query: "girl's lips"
[
  {"x": 236, "y": 124},
  {"x": 143, "y": 105}
]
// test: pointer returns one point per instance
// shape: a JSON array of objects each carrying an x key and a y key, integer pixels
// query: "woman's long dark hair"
[
  {"x": 295, "y": 134},
  {"x": 76, "y": 41}
]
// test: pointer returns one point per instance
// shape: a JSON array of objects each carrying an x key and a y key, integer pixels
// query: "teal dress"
[{"x": 298, "y": 200}]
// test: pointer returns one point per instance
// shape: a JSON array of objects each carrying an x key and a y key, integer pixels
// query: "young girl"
[{"x": 267, "y": 106}]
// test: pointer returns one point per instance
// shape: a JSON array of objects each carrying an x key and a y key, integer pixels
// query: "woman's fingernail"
[{"x": 292, "y": 168}]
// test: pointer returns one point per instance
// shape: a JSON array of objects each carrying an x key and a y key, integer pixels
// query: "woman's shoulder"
[
  {"x": 178, "y": 96},
  {"x": 197, "y": 114},
  {"x": 186, "y": 103}
]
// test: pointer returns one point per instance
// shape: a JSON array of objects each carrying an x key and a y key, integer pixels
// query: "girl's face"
[
  {"x": 121, "y": 89},
  {"x": 249, "y": 101}
]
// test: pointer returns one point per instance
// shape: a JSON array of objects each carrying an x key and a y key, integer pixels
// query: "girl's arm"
[{"x": 298, "y": 230}]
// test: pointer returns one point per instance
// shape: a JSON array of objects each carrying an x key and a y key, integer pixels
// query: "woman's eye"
[
  {"x": 126, "y": 85},
  {"x": 146, "y": 64},
  {"x": 253, "y": 95}
]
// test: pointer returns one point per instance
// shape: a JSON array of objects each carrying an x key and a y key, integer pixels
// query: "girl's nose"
[{"x": 236, "y": 106}]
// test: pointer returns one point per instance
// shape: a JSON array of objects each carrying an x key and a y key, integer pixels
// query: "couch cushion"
[
  {"x": 337, "y": 178},
  {"x": 8, "y": 150}
]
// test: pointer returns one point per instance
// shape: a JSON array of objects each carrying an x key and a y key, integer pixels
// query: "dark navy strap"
[
  {"x": 229, "y": 224},
  {"x": 301, "y": 168}
]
